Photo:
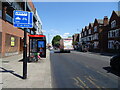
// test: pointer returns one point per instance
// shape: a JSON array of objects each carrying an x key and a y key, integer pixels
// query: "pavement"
[{"x": 38, "y": 74}]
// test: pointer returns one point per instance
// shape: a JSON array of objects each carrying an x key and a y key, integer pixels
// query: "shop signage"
[{"x": 12, "y": 41}]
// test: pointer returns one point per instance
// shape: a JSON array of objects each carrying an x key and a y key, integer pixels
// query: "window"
[
  {"x": 28, "y": 30},
  {"x": 92, "y": 37},
  {"x": 113, "y": 24},
  {"x": 111, "y": 44},
  {"x": 85, "y": 33},
  {"x": 109, "y": 34},
  {"x": 32, "y": 32},
  {"x": 9, "y": 18},
  {"x": 96, "y": 44},
  {"x": 95, "y": 36},
  {"x": 89, "y": 31},
  {"x": 114, "y": 33},
  {"x": 95, "y": 29},
  {"x": 117, "y": 33},
  {"x": 81, "y": 34}
]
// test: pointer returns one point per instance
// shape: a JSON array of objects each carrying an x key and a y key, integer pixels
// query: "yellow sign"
[{"x": 12, "y": 41}]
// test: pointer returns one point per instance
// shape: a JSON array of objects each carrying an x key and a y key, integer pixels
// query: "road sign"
[{"x": 23, "y": 19}]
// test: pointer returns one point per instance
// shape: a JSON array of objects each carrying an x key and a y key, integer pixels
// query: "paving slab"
[{"x": 38, "y": 74}]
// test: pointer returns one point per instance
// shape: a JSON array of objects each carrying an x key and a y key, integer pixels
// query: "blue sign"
[
  {"x": 23, "y": 19},
  {"x": 41, "y": 44}
]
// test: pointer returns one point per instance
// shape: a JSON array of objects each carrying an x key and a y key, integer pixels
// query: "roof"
[
  {"x": 91, "y": 24},
  {"x": 83, "y": 29},
  {"x": 87, "y": 27},
  {"x": 118, "y": 13},
  {"x": 100, "y": 21}
]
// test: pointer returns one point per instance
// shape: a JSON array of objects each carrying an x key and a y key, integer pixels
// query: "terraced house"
[
  {"x": 89, "y": 36},
  {"x": 94, "y": 36},
  {"x": 114, "y": 32},
  {"x": 12, "y": 37},
  {"x": 103, "y": 35}
]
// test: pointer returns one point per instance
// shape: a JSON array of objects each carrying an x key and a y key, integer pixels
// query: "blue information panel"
[
  {"x": 23, "y": 19},
  {"x": 41, "y": 44}
]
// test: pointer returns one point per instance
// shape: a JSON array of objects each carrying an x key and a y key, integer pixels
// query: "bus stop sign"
[{"x": 23, "y": 19}]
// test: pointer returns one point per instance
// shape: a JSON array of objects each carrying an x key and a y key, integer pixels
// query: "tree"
[
  {"x": 56, "y": 41},
  {"x": 75, "y": 42}
]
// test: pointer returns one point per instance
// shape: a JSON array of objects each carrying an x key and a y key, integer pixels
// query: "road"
[{"x": 81, "y": 70}]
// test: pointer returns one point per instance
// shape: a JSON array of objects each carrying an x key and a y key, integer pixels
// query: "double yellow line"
[
  {"x": 79, "y": 81},
  {"x": 83, "y": 86},
  {"x": 93, "y": 83}
]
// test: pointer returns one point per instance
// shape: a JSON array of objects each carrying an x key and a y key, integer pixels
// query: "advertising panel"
[{"x": 12, "y": 41}]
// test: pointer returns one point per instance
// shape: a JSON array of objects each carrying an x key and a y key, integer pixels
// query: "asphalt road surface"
[{"x": 82, "y": 70}]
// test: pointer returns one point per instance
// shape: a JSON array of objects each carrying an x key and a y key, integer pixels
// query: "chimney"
[{"x": 105, "y": 21}]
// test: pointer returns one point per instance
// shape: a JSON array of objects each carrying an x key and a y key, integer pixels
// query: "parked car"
[{"x": 115, "y": 62}]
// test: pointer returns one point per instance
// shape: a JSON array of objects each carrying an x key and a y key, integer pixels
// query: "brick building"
[
  {"x": 94, "y": 36},
  {"x": 75, "y": 40},
  {"x": 90, "y": 37},
  {"x": 103, "y": 35},
  {"x": 114, "y": 32},
  {"x": 12, "y": 37}
]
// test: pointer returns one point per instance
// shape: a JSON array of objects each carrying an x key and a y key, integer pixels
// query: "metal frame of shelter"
[{"x": 37, "y": 45}]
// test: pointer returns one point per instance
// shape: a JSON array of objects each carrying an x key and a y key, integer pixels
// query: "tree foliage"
[
  {"x": 75, "y": 42},
  {"x": 56, "y": 41}
]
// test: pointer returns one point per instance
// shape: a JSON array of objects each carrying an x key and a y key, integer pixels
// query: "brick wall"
[
  {"x": 8, "y": 47},
  {"x": 31, "y": 5},
  {"x": 8, "y": 30}
]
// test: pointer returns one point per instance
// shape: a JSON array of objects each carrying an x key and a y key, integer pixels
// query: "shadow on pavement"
[
  {"x": 110, "y": 70},
  {"x": 21, "y": 60},
  {"x": 10, "y": 71}
]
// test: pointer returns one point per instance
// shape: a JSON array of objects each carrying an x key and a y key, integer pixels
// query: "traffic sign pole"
[
  {"x": 25, "y": 56},
  {"x": 23, "y": 19},
  {"x": 25, "y": 52}
]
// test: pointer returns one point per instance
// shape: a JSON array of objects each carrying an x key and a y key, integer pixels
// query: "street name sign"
[{"x": 23, "y": 19}]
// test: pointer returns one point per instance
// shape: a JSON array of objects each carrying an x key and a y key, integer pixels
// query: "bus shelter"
[{"x": 37, "y": 47}]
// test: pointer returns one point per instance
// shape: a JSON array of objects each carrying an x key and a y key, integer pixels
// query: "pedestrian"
[{"x": 38, "y": 54}]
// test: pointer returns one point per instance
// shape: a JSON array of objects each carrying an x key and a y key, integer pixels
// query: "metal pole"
[
  {"x": 25, "y": 52},
  {"x": 48, "y": 38}
]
